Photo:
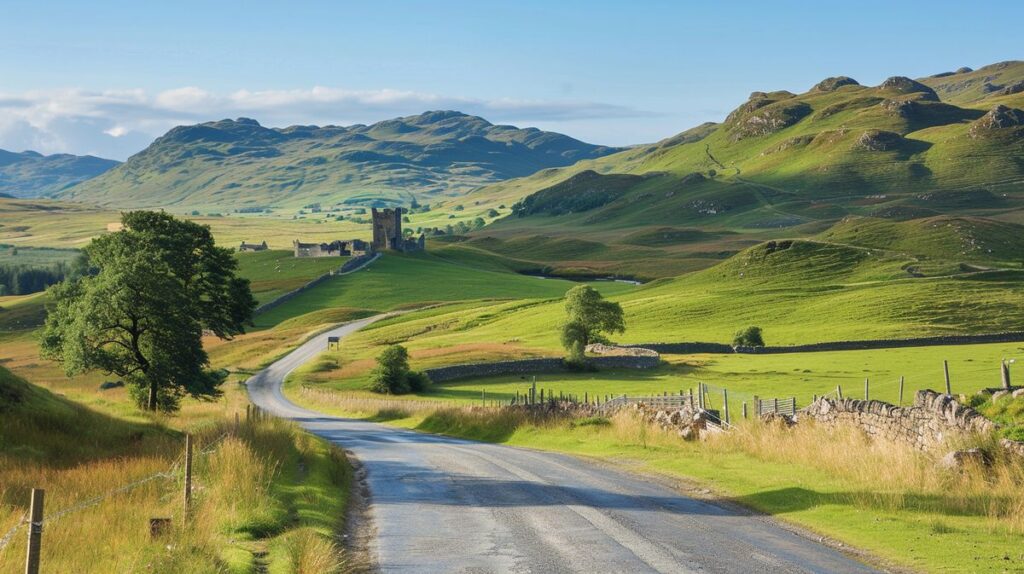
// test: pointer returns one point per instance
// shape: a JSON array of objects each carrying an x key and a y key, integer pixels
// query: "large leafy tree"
[
  {"x": 588, "y": 318},
  {"x": 140, "y": 309}
]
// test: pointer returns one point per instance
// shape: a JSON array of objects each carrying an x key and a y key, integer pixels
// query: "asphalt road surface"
[{"x": 441, "y": 504}]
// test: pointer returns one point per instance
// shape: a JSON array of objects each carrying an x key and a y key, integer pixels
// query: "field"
[
  {"x": 275, "y": 272},
  {"x": 398, "y": 280}
]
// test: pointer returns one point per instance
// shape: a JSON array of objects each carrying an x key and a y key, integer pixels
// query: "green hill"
[
  {"x": 905, "y": 149},
  {"x": 30, "y": 174},
  {"x": 235, "y": 164}
]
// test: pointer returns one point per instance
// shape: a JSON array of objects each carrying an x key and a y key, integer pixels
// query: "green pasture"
[
  {"x": 275, "y": 272},
  {"x": 397, "y": 280}
]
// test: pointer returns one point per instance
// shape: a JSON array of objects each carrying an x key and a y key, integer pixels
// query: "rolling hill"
[
  {"x": 31, "y": 174},
  {"x": 782, "y": 165},
  {"x": 233, "y": 164}
]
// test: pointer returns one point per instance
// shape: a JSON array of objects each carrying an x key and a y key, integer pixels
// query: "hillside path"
[{"x": 441, "y": 504}]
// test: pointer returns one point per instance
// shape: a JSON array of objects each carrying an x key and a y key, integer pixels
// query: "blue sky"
[{"x": 106, "y": 77}]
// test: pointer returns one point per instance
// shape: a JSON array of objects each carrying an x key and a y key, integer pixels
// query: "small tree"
[
  {"x": 392, "y": 375},
  {"x": 749, "y": 337},
  {"x": 588, "y": 317}
]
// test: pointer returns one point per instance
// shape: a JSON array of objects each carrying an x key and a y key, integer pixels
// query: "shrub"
[
  {"x": 392, "y": 375},
  {"x": 749, "y": 337}
]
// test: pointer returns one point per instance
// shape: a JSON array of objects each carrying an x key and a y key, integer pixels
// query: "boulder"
[
  {"x": 957, "y": 459},
  {"x": 1018, "y": 393},
  {"x": 999, "y": 394}
]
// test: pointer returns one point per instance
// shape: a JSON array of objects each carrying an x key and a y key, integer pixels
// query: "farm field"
[
  {"x": 398, "y": 280},
  {"x": 275, "y": 272}
]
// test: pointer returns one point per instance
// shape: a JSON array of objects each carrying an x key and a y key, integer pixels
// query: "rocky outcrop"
[
  {"x": 905, "y": 85},
  {"x": 1001, "y": 119},
  {"x": 1011, "y": 89},
  {"x": 834, "y": 83},
  {"x": 879, "y": 140},
  {"x": 765, "y": 114}
]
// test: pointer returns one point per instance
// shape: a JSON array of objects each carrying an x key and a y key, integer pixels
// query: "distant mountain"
[
  {"x": 239, "y": 163},
  {"x": 30, "y": 174}
]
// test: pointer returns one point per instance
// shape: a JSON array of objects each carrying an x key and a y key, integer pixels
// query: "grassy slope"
[
  {"x": 398, "y": 280},
  {"x": 273, "y": 273},
  {"x": 295, "y": 486},
  {"x": 801, "y": 177}
]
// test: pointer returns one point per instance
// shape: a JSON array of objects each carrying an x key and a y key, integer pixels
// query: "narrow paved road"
[{"x": 447, "y": 505}]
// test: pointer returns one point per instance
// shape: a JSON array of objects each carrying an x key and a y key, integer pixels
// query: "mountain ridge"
[
  {"x": 240, "y": 163},
  {"x": 31, "y": 174}
]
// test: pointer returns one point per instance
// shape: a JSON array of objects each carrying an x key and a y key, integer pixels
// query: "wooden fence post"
[
  {"x": 744, "y": 409},
  {"x": 901, "y": 390},
  {"x": 1005, "y": 372},
  {"x": 867, "y": 395},
  {"x": 725, "y": 403},
  {"x": 945, "y": 369},
  {"x": 35, "y": 532},
  {"x": 839, "y": 391},
  {"x": 188, "y": 473}
]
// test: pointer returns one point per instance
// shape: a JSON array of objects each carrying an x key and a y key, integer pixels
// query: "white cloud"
[{"x": 117, "y": 123}]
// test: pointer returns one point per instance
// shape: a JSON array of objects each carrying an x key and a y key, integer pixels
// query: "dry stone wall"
[
  {"x": 699, "y": 347},
  {"x": 533, "y": 366},
  {"x": 926, "y": 425}
]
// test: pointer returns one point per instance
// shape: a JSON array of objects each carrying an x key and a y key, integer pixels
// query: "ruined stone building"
[
  {"x": 351, "y": 248},
  {"x": 253, "y": 246},
  {"x": 387, "y": 232}
]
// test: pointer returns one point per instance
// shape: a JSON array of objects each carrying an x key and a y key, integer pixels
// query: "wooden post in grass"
[
  {"x": 866, "y": 394},
  {"x": 35, "y": 532},
  {"x": 901, "y": 390},
  {"x": 945, "y": 369},
  {"x": 775, "y": 404},
  {"x": 839, "y": 391},
  {"x": 725, "y": 404},
  {"x": 236, "y": 422},
  {"x": 188, "y": 473},
  {"x": 1005, "y": 372}
]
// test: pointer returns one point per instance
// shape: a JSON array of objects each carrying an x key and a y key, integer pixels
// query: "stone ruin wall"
[{"x": 926, "y": 425}]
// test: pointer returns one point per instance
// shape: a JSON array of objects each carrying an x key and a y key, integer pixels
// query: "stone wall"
[
  {"x": 699, "y": 347},
  {"x": 926, "y": 425},
  {"x": 533, "y": 366},
  {"x": 350, "y": 265}
]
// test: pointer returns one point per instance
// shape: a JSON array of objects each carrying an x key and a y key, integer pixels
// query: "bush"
[
  {"x": 749, "y": 337},
  {"x": 392, "y": 375}
]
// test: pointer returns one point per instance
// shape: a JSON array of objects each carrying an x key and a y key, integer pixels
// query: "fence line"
[{"x": 32, "y": 562}]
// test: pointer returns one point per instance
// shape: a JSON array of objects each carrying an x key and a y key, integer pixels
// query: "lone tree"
[
  {"x": 588, "y": 317},
  {"x": 140, "y": 309},
  {"x": 392, "y": 375},
  {"x": 749, "y": 337}
]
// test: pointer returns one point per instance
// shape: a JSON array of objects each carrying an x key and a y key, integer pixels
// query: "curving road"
[{"x": 441, "y": 504}]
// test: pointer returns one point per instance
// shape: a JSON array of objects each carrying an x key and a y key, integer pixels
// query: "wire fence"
[{"x": 173, "y": 472}]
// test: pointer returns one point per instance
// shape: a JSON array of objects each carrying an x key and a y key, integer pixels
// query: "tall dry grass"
[{"x": 239, "y": 500}]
